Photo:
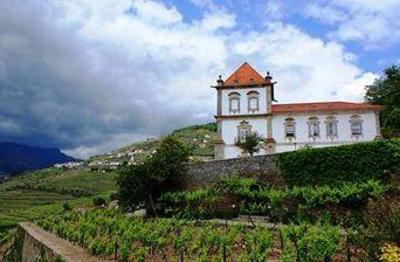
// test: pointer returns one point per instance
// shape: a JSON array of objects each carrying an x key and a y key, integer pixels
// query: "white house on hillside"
[{"x": 245, "y": 104}]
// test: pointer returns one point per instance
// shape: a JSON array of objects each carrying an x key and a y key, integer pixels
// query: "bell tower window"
[
  {"x": 234, "y": 103},
  {"x": 253, "y": 103}
]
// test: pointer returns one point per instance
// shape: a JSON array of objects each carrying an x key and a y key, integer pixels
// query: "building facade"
[{"x": 245, "y": 104}]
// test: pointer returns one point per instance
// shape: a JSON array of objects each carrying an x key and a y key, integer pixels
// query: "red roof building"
[{"x": 246, "y": 105}]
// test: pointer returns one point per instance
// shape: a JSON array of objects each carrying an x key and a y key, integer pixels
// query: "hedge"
[{"x": 348, "y": 163}]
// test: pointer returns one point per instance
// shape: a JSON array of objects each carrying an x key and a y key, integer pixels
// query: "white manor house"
[{"x": 245, "y": 104}]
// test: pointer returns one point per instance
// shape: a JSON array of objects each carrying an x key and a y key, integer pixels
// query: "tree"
[
  {"x": 386, "y": 92},
  {"x": 251, "y": 144},
  {"x": 140, "y": 185}
]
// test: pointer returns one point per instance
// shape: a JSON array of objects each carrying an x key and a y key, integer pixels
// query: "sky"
[{"x": 90, "y": 76}]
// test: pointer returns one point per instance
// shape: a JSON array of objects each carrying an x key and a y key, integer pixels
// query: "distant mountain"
[{"x": 16, "y": 158}]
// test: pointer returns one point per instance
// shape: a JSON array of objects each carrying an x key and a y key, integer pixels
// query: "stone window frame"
[
  {"x": 232, "y": 97},
  {"x": 356, "y": 119},
  {"x": 290, "y": 122},
  {"x": 243, "y": 126},
  {"x": 331, "y": 120},
  {"x": 250, "y": 96},
  {"x": 313, "y": 121}
]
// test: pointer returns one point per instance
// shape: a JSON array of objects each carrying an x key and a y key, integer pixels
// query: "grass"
[{"x": 40, "y": 193}]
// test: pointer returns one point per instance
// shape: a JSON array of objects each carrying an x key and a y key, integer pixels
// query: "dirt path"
[{"x": 60, "y": 246}]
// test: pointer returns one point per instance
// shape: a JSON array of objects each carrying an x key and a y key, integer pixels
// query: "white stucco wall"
[
  {"x": 243, "y": 100},
  {"x": 230, "y": 132},
  {"x": 302, "y": 136}
]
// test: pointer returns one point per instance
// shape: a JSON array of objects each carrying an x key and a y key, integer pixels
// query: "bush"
[
  {"x": 353, "y": 163},
  {"x": 67, "y": 206},
  {"x": 98, "y": 201}
]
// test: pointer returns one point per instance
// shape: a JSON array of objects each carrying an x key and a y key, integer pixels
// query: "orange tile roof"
[
  {"x": 322, "y": 106},
  {"x": 245, "y": 75}
]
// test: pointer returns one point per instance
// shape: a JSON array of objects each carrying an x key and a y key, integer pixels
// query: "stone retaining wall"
[
  {"x": 32, "y": 243},
  {"x": 262, "y": 168}
]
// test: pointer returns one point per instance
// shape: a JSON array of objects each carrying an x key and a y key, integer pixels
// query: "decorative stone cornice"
[
  {"x": 262, "y": 116},
  {"x": 242, "y": 86}
]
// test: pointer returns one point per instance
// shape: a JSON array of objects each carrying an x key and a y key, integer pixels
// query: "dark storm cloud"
[{"x": 58, "y": 89}]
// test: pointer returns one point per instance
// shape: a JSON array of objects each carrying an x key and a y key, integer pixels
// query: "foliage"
[
  {"x": 252, "y": 198},
  {"x": 386, "y": 92},
  {"x": 98, "y": 201},
  {"x": 108, "y": 232},
  {"x": 313, "y": 242},
  {"x": 140, "y": 185},
  {"x": 251, "y": 143},
  {"x": 67, "y": 206},
  {"x": 43, "y": 192},
  {"x": 390, "y": 253},
  {"x": 380, "y": 225},
  {"x": 353, "y": 163}
]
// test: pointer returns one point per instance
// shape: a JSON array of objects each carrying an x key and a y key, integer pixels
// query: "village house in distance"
[{"x": 245, "y": 104}]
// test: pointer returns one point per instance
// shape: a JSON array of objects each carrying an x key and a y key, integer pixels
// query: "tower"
[{"x": 244, "y": 104}]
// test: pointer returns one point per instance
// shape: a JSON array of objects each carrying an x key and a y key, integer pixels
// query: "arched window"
[
  {"x": 356, "y": 125},
  {"x": 331, "y": 127},
  {"x": 290, "y": 128},
  {"x": 244, "y": 129},
  {"x": 234, "y": 102},
  {"x": 313, "y": 127},
  {"x": 253, "y": 104}
]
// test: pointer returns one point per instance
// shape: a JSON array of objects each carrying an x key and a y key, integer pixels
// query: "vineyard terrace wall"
[{"x": 263, "y": 168}]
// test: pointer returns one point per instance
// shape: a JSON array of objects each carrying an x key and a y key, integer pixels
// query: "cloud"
[
  {"x": 89, "y": 76},
  {"x": 306, "y": 68},
  {"x": 373, "y": 23}
]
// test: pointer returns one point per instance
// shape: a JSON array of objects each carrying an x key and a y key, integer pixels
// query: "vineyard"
[
  {"x": 113, "y": 234},
  {"x": 249, "y": 197}
]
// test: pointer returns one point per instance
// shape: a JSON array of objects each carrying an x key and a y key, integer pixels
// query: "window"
[
  {"x": 313, "y": 127},
  {"x": 244, "y": 130},
  {"x": 253, "y": 101},
  {"x": 290, "y": 128},
  {"x": 356, "y": 125},
  {"x": 234, "y": 102},
  {"x": 331, "y": 127}
]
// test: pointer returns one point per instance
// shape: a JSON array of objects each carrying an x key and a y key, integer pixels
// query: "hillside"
[
  {"x": 199, "y": 138},
  {"x": 16, "y": 158},
  {"x": 45, "y": 191}
]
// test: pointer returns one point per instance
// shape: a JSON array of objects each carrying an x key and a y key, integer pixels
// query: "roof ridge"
[{"x": 244, "y": 74}]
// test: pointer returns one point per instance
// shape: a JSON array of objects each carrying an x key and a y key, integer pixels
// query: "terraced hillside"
[
  {"x": 45, "y": 191},
  {"x": 199, "y": 138}
]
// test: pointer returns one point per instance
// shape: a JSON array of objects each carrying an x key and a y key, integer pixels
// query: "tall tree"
[
  {"x": 386, "y": 92},
  {"x": 140, "y": 185}
]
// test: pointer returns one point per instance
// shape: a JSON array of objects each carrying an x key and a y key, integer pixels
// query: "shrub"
[
  {"x": 352, "y": 163},
  {"x": 381, "y": 225},
  {"x": 390, "y": 253},
  {"x": 98, "y": 201},
  {"x": 67, "y": 206}
]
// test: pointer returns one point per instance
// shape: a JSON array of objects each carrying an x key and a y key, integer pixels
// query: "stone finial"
[
  {"x": 268, "y": 77},
  {"x": 220, "y": 82}
]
